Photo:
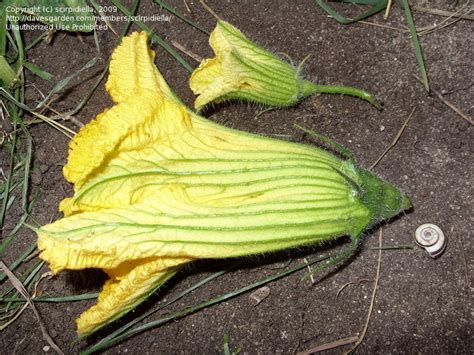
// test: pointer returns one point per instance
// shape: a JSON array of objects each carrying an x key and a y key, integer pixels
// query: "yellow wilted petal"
[
  {"x": 127, "y": 126},
  {"x": 133, "y": 80},
  {"x": 122, "y": 293},
  {"x": 208, "y": 83},
  {"x": 132, "y": 70}
]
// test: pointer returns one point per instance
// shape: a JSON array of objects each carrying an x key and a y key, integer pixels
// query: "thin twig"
[
  {"x": 387, "y": 9},
  {"x": 383, "y": 26},
  {"x": 437, "y": 27},
  {"x": 186, "y": 5},
  {"x": 395, "y": 140},
  {"x": 328, "y": 346},
  {"x": 466, "y": 265},
  {"x": 310, "y": 271},
  {"x": 183, "y": 49},
  {"x": 372, "y": 301},
  {"x": 211, "y": 11},
  {"x": 15, "y": 317},
  {"x": 21, "y": 289},
  {"x": 64, "y": 117},
  {"x": 61, "y": 128},
  {"x": 33, "y": 255},
  {"x": 449, "y": 104},
  {"x": 351, "y": 283},
  {"x": 444, "y": 23},
  {"x": 442, "y": 13}
]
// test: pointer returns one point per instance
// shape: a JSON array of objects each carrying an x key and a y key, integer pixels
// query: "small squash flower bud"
[{"x": 241, "y": 70}]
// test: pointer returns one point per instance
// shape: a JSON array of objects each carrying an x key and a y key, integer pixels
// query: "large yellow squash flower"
[
  {"x": 156, "y": 187},
  {"x": 242, "y": 70}
]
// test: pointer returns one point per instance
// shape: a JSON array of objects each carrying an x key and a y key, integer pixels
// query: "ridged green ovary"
[
  {"x": 246, "y": 72},
  {"x": 250, "y": 195}
]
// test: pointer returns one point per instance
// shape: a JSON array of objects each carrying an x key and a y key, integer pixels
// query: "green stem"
[
  {"x": 333, "y": 144},
  {"x": 416, "y": 45},
  {"x": 338, "y": 259},
  {"x": 311, "y": 88}
]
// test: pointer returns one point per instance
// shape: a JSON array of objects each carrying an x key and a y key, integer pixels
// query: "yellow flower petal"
[
  {"x": 209, "y": 76},
  {"x": 133, "y": 79},
  {"x": 125, "y": 127},
  {"x": 120, "y": 294},
  {"x": 132, "y": 70}
]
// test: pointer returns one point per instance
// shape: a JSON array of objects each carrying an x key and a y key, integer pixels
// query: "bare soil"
[{"x": 423, "y": 306}]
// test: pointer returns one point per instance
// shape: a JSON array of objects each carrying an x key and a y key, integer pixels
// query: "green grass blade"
[
  {"x": 6, "y": 242},
  {"x": 132, "y": 11},
  {"x": 10, "y": 202},
  {"x": 34, "y": 275},
  {"x": 181, "y": 17},
  {"x": 19, "y": 44},
  {"x": 75, "y": 298},
  {"x": 155, "y": 37},
  {"x": 104, "y": 342},
  {"x": 379, "y": 6},
  {"x": 38, "y": 71},
  {"x": 12, "y": 188},
  {"x": 28, "y": 161},
  {"x": 3, "y": 30},
  {"x": 226, "y": 345},
  {"x": 18, "y": 261},
  {"x": 200, "y": 306},
  {"x": 416, "y": 44},
  {"x": 19, "y": 94},
  {"x": 12, "y": 43},
  {"x": 8, "y": 181},
  {"x": 333, "y": 144},
  {"x": 36, "y": 41},
  {"x": 30, "y": 279},
  {"x": 62, "y": 83},
  {"x": 6, "y": 94}
]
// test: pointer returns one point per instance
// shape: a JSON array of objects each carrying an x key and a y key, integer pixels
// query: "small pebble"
[
  {"x": 259, "y": 295},
  {"x": 44, "y": 168},
  {"x": 36, "y": 177},
  {"x": 46, "y": 348}
]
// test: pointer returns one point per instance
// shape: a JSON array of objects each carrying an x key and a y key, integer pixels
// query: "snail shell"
[{"x": 431, "y": 238}]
